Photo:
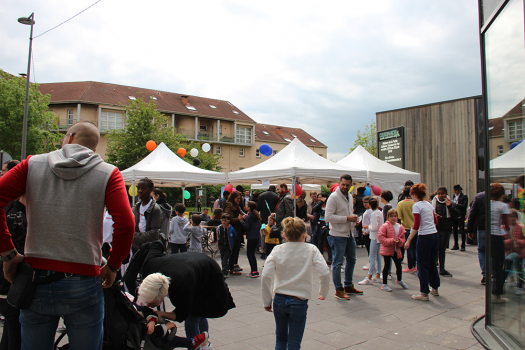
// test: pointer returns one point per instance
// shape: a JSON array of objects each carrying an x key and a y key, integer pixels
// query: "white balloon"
[
  {"x": 194, "y": 152},
  {"x": 206, "y": 147}
]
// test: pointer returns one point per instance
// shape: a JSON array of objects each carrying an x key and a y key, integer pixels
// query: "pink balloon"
[
  {"x": 229, "y": 188},
  {"x": 376, "y": 190}
]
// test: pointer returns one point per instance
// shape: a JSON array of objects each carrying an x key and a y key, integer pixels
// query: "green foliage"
[
  {"x": 143, "y": 123},
  {"x": 367, "y": 139},
  {"x": 42, "y": 129}
]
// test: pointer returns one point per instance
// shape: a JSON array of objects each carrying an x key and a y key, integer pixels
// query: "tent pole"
[
  {"x": 182, "y": 194},
  {"x": 294, "y": 197},
  {"x": 133, "y": 191}
]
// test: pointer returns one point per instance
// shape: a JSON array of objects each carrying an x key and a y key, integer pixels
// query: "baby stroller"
[{"x": 124, "y": 327}]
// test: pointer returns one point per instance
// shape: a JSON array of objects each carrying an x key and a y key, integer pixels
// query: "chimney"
[
  {"x": 279, "y": 131},
  {"x": 185, "y": 100}
]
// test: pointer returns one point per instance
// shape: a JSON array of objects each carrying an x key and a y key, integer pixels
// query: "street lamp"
[{"x": 27, "y": 21}]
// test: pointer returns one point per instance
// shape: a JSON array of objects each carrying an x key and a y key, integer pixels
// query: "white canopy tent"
[
  {"x": 293, "y": 163},
  {"x": 305, "y": 187},
  {"x": 166, "y": 169},
  {"x": 380, "y": 173},
  {"x": 296, "y": 162},
  {"x": 507, "y": 167}
]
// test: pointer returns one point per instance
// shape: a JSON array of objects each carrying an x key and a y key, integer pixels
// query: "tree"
[
  {"x": 42, "y": 128},
  {"x": 126, "y": 147},
  {"x": 367, "y": 139}
]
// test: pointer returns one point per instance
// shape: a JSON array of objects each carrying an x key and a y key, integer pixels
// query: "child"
[
  {"x": 151, "y": 293},
  {"x": 515, "y": 250},
  {"x": 392, "y": 238},
  {"x": 177, "y": 236},
  {"x": 195, "y": 232},
  {"x": 226, "y": 237},
  {"x": 288, "y": 273},
  {"x": 365, "y": 222},
  {"x": 270, "y": 243},
  {"x": 252, "y": 224},
  {"x": 376, "y": 221}
]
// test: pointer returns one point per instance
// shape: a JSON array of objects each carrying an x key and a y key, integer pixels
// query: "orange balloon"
[
  {"x": 181, "y": 152},
  {"x": 151, "y": 145}
]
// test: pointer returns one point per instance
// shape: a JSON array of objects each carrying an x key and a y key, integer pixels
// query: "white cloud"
[{"x": 324, "y": 67}]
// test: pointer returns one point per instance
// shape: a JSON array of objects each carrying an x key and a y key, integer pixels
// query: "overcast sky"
[{"x": 326, "y": 67}]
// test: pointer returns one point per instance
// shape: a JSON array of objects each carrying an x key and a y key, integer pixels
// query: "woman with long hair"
[
  {"x": 425, "y": 221},
  {"x": 232, "y": 208}
]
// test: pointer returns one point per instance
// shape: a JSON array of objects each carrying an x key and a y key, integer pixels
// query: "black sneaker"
[
  {"x": 445, "y": 273},
  {"x": 455, "y": 247},
  {"x": 263, "y": 256},
  {"x": 462, "y": 248},
  {"x": 483, "y": 281}
]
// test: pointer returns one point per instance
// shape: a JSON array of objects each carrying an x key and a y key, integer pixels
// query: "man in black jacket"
[
  {"x": 458, "y": 221},
  {"x": 477, "y": 218}
]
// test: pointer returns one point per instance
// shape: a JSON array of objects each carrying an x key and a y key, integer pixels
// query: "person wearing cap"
[{"x": 458, "y": 221}]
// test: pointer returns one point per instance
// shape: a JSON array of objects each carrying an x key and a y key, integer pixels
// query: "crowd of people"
[{"x": 78, "y": 246}]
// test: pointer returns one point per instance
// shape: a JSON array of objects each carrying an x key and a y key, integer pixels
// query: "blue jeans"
[
  {"x": 290, "y": 320},
  {"x": 195, "y": 325},
  {"x": 343, "y": 247},
  {"x": 481, "y": 250},
  {"x": 79, "y": 301},
  {"x": 374, "y": 258},
  {"x": 427, "y": 250}
]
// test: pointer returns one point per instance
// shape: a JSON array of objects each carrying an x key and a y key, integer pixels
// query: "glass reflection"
[{"x": 505, "y": 87}]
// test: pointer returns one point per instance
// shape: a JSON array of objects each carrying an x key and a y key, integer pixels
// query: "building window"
[
  {"x": 241, "y": 152},
  {"x": 274, "y": 153},
  {"x": 218, "y": 150},
  {"x": 111, "y": 120},
  {"x": 320, "y": 154},
  {"x": 69, "y": 117},
  {"x": 516, "y": 130},
  {"x": 500, "y": 150},
  {"x": 241, "y": 168},
  {"x": 203, "y": 128},
  {"x": 257, "y": 153},
  {"x": 243, "y": 135}
]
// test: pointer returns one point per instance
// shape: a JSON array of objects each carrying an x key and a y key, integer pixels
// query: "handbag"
[
  {"x": 24, "y": 285},
  {"x": 21, "y": 292},
  {"x": 275, "y": 232}
]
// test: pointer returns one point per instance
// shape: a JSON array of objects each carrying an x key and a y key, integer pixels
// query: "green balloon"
[{"x": 186, "y": 195}]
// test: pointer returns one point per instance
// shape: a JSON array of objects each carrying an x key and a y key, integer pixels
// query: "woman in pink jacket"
[{"x": 392, "y": 238}]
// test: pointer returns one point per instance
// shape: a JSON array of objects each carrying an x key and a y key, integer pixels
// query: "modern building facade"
[
  {"x": 441, "y": 141},
  {"x": 230, "y": 132},
  {"x": 502, "y": 37}
]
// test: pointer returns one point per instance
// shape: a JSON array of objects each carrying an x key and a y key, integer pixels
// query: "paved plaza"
[{"x": 375, "y": 320}]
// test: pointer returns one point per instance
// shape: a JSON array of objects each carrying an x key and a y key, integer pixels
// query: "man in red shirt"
[{"x": 66, "y": 192}]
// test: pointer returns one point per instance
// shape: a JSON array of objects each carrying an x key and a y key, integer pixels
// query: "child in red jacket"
[{"x": 392, "y": 238}]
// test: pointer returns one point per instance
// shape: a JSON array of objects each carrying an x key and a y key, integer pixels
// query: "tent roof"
[
  {"x": 166, "y": 169},
  {"x": 509, "y": 165},
  {"x": 380, "y": 170},
  {"x": 296, "y": 160}
]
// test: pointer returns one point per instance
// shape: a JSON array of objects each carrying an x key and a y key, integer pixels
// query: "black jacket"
[
  {"x": 462, "y": 205},
  {"x": 445, "y": 224},
  {"x": 197, "y": 284},
  {"x": 476, "y": 216},
  {"x": 359, "y": 207},
  {"x": 268, "y": 197}
]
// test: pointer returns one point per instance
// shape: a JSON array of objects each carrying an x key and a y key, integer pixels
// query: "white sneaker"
[
  {"x": 365, "y": 281},
  {"x": 389, "y": 277},
  {"x": 377, "y": 280},
  {"x": 366, "y": 267},
  {"x": 519, "y": 291}
]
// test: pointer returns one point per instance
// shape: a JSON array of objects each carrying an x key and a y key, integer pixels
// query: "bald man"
[{"x": 66, "y": 192}]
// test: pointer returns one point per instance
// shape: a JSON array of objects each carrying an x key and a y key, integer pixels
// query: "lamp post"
[{"x": 27, "y": 21}]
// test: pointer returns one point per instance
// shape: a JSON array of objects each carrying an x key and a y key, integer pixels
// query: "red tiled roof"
[
  {"x": 113, "y": 94},
  {"x": 496, "y": 127},
  {"x": 273, "y": 136}
]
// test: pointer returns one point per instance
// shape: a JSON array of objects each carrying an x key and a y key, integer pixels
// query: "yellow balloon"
[
  {"x": 132, "y": 191},
  {"x": 351, "y": 189}
]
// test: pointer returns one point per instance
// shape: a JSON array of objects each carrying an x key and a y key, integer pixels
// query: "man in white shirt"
[{"x": 339, "y": 214}]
